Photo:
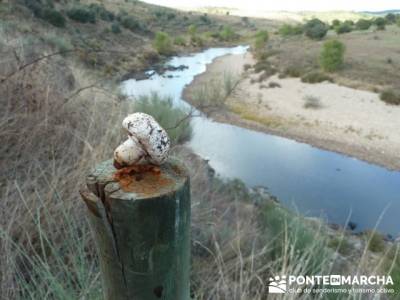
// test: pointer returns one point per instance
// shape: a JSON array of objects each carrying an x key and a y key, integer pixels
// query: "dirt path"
[{"x": 349, "y": 121}]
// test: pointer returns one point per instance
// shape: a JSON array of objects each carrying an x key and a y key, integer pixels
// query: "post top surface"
[{"x": 139, "y": 181}]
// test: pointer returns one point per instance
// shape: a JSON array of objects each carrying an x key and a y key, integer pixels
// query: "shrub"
[
  {"x": 54, "y": 17},
  {"x": 363, "y": 24},
  {"x": 131, "y": 23},
  {"x": 332, "y": 55},
  {"x": 227, "y": 34},
  {"x": 289, "y": 30},
  {"x": 205, "y": 19},
  {"x": 343, "y": 28},
  {"x": 261, "y": 38},
  {"x": 315, "y": 77},
  {"x": 60, "y": 43},
  {"x": 115, "y": 28},
  {"x": 102, "y": 12},
  {"x": 390, "y": 97},
  {"x": 274, "y": 84},
  {"x": 398, "y": 21},
  {"x": 82, "y": 15},
  {"x": 162, "y": 43},
  {"x": 192, "y": 29},
  {"x": 180, "y": 41},
  {"x": 336, "y": 23},
  {"x": 375, "y": 241},
  {"x": 293, "y": 71},
  {"x": 315, "y": 29},
  {"x": 380, "y": 23},
  {"x": 163, "y": 110},
  {"x": 312, "y": 102}
]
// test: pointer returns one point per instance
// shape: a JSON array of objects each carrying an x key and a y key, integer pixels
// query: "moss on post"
[{"x": 140, "y": 218}]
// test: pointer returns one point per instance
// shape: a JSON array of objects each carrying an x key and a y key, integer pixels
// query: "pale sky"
[{"x": 290, "y": 5}]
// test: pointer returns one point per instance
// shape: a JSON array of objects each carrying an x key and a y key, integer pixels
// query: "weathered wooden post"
[{"x": 140, "y": 217}]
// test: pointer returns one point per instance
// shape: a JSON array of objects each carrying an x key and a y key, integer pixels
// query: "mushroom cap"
[
  {"x": 128, "y": 153},
  {"x": 150, "y": 135}
]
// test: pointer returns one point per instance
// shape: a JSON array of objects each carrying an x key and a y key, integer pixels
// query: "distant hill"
[
  {"x": 382, "y": 12},
  {"x": 300, "y": 16}
]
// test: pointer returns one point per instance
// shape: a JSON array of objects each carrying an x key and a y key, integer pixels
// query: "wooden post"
[{"x": 141, "y": 224}]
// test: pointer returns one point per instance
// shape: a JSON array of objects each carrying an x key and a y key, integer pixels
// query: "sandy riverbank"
[{"x": 348, "y": 121}]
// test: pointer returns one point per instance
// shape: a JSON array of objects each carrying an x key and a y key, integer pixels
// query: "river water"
[{"x": 312, "y": 181}]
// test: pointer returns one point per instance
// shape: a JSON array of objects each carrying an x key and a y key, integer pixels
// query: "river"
[{"x": 312, "y": 181}]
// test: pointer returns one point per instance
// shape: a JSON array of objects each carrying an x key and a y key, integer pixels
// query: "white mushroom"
[
  {"x": 128, "y": 153},
  {"x": 148, "y": 140}
]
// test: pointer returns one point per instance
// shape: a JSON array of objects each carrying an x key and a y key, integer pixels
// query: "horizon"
[{"x": 284, "y": 5}]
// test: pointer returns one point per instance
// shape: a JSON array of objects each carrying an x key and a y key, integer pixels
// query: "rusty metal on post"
[{"x": 140, "y": 218}]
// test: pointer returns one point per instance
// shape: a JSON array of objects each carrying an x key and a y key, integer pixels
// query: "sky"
[{"x": 289, "y": 5}]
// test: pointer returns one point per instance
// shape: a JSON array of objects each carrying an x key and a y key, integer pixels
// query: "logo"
[
  {"x": 330, "y": 284},
  {"x": 277, "y": 285}
]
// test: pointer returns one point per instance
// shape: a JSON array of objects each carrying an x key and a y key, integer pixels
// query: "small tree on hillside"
[
  {"x": 332, "y": 55},
  {"x": 315, "y": 29}
]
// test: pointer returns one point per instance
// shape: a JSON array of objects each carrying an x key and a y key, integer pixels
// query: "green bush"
[
  {"x": 115, "y": 28},
  {"x": 227, "y": 34},
  {"x": 171, "y": 118},
  {"x": 398, "y": 21},
  {"x": 261, "y": 38},
  {"x": 363, "y": 24},
  {"x": 380, "y": 23},
  {"x": 293, "y": 71},
  {"x": 336, "y": 23},
  {"x": 102, "y": 12},
  {"x": 54, "y": 17},
  {"x": 315, "y": 77},
  {"x": 343, "y": 28},
  {"x": 162, "y": 43},
  {"x": 180, "y": 41},
  {"x": 390, "y": 97},
  {"x": 315, "y": 29},
  {"x": 82, "y": 15},
  {"x": 60, "y": 43},
  {"x": 332, "y": 55},
  {"x": 289, "y": 30},
  {"x": 129, "y": 22}
]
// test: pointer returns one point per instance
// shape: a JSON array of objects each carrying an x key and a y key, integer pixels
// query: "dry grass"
[{"x": 248, "y": 114}]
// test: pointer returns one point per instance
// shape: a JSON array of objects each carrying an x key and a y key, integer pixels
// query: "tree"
[
  {"x": 332, "y": 55},
  {"x": 363, "y": 24},
  {"x": 390, "y": 18},
  {"x": 163, "y": 43},
  {"x": 315, "y": 29},
  {"x": 380, "y": 23}
]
